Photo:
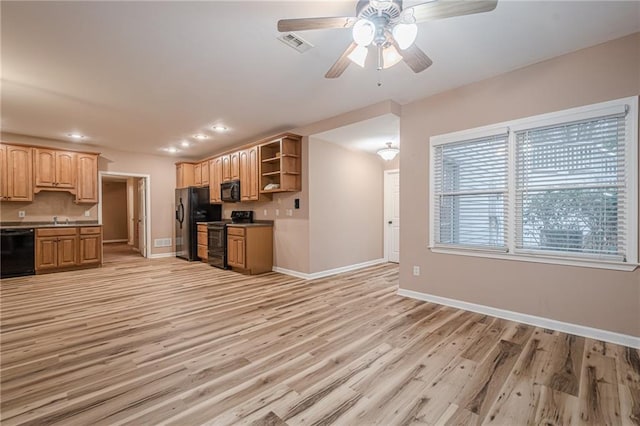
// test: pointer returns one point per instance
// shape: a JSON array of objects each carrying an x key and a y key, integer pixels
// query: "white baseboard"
[
  {"x": 328, "y": 272},
  {"x": 162, "y": 255},
  {"x": 579, "y": 330},
  {"x": 114, "y": 241}
]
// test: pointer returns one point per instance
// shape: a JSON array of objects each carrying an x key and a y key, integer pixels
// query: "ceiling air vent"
[{"x": 296, "y": 42}]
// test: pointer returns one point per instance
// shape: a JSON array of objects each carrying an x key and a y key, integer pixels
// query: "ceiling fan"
[{"x": 385, "y": 25}]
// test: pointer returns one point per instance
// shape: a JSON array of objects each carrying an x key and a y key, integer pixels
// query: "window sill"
[{"x": 584, "y": 263}]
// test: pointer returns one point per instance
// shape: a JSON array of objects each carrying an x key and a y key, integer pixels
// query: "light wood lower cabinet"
[
  {"x": 90, "y": 249},
  {"x": 250, "y": 248},
  {"x": 203, "y": 242},
  {"x": 67, "y": 248}
]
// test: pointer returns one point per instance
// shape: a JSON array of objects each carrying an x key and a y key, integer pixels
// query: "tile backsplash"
[{"x": 45, "y": 205}]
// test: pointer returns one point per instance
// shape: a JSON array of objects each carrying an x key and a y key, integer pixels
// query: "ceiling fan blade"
[
  {"x": 303, "y": 24},
  {"x": 417, "y": 60},
  {"x": 341, "y": 64},
  {"x": 441, "y": 9}
]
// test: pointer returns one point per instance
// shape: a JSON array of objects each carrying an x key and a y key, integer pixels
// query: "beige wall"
[
  {"x": 345, "y": 206},
  {"x": 45, "y": 206},
  {"x": 114, "y": 211},
  {"x": 160, "y": 169},
  {"x": 597, "y": 298}
]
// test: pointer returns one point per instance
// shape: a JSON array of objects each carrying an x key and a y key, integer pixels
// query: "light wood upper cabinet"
[
  {"x": 204, "y": 173},
  {"x": 226, "y": 168},
  {"x": 235, "y": 166},
  {"x": 215, "y": 178},
  {"x": 87, "y": 178},
  {"x": 45, "y": 167},
  {"x": 265, "y": 167},
  {"x": 16, "y": 176},
  {"x": 3, "y": 172},
  {"x": 231, "y": 167},
  {"x": 184, "y": 175},
  {"x": 249, "y": 173},
  {"x": 197, "y": 174},
  {"x": 55, "y": 169},
  {"x": 65, "y": 169}
]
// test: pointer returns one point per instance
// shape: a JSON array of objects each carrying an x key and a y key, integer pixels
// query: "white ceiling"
[
  {"x": 368, "y": 135},
  {"x": 142, "y": 76}
]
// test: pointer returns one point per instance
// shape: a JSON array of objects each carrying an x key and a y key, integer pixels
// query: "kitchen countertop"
[
  {"x": 244, "y": 225},
  {"x": 251, "y": 225},
  {"x": 25, "y": 225}
]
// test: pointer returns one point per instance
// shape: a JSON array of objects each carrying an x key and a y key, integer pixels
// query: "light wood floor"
[
  {"x": 170, "y": 342},
  {"x": 118, "y": 252}
]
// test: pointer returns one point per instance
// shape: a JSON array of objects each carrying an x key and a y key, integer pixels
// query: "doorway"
[
  {"x": 392, "y": 215},
  {"x": 123, "y": 213}
]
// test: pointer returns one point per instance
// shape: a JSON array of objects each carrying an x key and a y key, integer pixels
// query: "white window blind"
[
  {"x": 556, "y": 188},
  {"x": 570, "y": 188},
  {"x": 470, "y": 194}
]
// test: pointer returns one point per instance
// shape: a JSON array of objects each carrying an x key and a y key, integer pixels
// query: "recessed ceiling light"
[
  {"x": 184, "y": 144},
  {"x": 200, "y": 136},
  {"x": 76, "y": 136},
  {"x": 219, "y": 128},
  {"x": 172, "y": 150}
]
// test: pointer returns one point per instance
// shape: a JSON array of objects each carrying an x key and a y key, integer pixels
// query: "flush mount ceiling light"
[
  {"x": 171, "y": 150},
  {"x": 384, "y": 24},
  {"x": 200, "y": 136},
  {"x": 388, "y": 153},
  {"x": 184, "y": 144},
  {"x": 76, "y": 136}
]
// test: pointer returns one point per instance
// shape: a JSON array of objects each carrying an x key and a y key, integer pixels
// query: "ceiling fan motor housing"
[
  {"x": 382, "y": 19},
  {"x": 365, "y": 9}
]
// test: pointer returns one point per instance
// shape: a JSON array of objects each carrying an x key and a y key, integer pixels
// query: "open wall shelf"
[{"x": 280, "y": 165}]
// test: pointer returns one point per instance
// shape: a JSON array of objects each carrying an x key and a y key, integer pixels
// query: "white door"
[
  {"x": 392, "y": 215},
  {"x": 142, "y": 217}
]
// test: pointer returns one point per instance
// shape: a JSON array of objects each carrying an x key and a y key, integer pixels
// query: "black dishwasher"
[{"x": 17, "y": 256}]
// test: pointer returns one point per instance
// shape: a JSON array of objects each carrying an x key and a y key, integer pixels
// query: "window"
[{"x": 557, "y": 188}]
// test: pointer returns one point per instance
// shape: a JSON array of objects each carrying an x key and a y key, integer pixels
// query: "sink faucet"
[
  {"x": 55, "y": 220},
  {"x": 67, "y": 221}
]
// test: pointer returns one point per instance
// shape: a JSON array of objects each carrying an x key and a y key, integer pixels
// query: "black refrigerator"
[{"x": 192, "y": 206}]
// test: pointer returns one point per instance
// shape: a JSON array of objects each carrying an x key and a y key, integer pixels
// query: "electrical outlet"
[
  {"x": 277, "y": 212},
  {"x": 416, "y": 271},
  {"x": 87, "y": 213},
  {"x": 289, "y": 212},
  {"x": 264, "y": 212},
  {"x": 21, "y": 213}
]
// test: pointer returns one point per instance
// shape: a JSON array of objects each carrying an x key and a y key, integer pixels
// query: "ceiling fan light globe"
[
  {"x": 390, "y": 57},
  {"x": 405, "y": 34},
  {"x": 359, "y": 55},
  {"x": 363, "y": 32}
]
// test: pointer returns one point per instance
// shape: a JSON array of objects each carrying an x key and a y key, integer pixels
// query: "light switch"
[
  {"x": 87, "y": 213},
  {"x": 265, "y": 212},
  {"x": 277, "y": 212},
  {"x": 289, "y": 212}
]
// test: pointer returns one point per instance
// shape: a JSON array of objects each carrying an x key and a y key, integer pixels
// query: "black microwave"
[{"x": 230, "y": 191}]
